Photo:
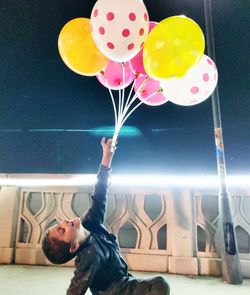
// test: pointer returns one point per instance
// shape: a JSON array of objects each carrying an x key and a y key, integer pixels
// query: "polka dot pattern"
[
  {"x": 141, "y": 32},
  {"x": 110, "y": 16},
  {"x": 125, "y": 33},
  {"x": 110, "y": 45},
  {"x": 205, "y": 77},
  {"x": 131, "y": 46},
  {"x": 195, "y": 87},
  {"x": 102, "y": 30},
  {"x": 120, "y": 29},
  {"x": 132, "y": 16},
  {"x": 209, "y": 61},
  {"x": 194, "y": 90}
]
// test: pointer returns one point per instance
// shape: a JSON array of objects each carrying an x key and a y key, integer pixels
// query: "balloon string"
[
  {"x": 112, "y": 98},
  {"x": 129, "y": 96},
  {"x": 119, "y": 106},
  {"x": 115, "y": 137},
  {"x": 123, "y": 86},
  {"x": 135, "y": 107},
  {"x": 120, "y": 110},
  {"x": 114, "y": 106},
  {"x": 135, "y": 96},
  {"x": 119, "y": 118},
  {"x": 118, "y": 127}
]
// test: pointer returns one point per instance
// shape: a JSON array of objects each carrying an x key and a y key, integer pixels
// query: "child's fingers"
[
  {"x": 109, "y": 142},
  {"x": 103, "y": 141}
]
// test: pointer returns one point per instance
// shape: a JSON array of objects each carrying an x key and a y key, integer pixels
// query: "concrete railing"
[{"x": 163, "y": 228}]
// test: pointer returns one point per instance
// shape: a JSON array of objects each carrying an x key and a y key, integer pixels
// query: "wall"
[{"x": 166, "y": 229}]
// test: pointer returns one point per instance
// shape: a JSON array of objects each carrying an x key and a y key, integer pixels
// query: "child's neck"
[{"x": 83, "y": 234}]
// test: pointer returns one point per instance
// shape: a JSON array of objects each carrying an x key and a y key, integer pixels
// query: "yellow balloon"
[
  {"x": 173, "y": 46},
  {"x": 78, "y": 50}
]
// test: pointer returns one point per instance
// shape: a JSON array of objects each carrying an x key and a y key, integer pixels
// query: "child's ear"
[{"x": 74, "y": 248}]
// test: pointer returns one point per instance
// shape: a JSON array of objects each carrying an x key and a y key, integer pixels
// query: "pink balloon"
[
  {"x": 112, "y": 76},
  {"x": 152, "y": 25},
  {"x": 136, "y": 63},
  {"x": 149, "y": 86}
]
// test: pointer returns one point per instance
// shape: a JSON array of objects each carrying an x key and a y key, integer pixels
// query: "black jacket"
[{"x": 98, "y": 262}]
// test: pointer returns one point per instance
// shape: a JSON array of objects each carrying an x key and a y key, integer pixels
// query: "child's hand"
[{"x": 107, "y": 152}]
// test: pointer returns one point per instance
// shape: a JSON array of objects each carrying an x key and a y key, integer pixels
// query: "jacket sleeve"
[
  {"x": 97, "y": 210},
  {"x": 83, "y": 276}
]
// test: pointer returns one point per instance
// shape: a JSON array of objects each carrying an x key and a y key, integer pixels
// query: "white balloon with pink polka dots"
[
  {"x": 119, "y": 28},
  {"x": 194, "y": 87}
]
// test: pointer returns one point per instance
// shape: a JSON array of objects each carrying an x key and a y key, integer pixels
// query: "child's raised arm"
[
  {"x": 107, "y": 153},
  {"x": 97, "y": 210}
]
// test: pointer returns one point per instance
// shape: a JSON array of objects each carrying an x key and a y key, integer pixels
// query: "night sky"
[{"x": 37, "y": 91}]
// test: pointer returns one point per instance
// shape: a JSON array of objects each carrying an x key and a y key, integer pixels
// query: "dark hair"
[{"x": 55, "y": 250}]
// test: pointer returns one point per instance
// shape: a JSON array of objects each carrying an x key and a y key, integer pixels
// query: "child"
[{"x": 99, "y": 265}]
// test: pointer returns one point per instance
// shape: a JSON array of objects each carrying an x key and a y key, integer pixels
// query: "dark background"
[{"x": 37, "y": 91}]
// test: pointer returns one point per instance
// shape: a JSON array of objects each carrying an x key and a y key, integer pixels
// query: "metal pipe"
[{"x": 226, "y": 242}]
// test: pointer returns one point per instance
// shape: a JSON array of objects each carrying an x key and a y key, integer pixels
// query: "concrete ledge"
[
  {"x": 183, "y": 265},
  {"x": 7, "y": 255},
  {"x": 209, "y": 266},
  {"x": 136, "y": 262},
  {"x": 144, "y": 262},
  {"x": 212, "y": 267},
  {"x": 30, "y": 256},
  {"x": 34, "y": 256},
  {"x": 245, "y": 268}
]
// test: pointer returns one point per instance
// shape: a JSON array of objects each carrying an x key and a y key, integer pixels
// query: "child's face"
[{"x": 66, "y": 231}]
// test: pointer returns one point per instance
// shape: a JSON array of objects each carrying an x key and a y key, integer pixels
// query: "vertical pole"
[{"x": 227, "y": 238}]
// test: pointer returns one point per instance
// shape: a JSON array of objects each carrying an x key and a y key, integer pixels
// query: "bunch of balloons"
[{"x": 163, "y": 61}]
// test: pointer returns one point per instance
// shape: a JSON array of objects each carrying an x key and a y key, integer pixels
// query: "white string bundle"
[{"x": 125, "y": 108}]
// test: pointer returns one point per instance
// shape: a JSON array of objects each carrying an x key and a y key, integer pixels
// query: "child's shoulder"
[{"x": 86, "y": 256}]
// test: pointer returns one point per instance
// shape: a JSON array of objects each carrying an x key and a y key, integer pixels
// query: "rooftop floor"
[{"x": 30, "y": 280}]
